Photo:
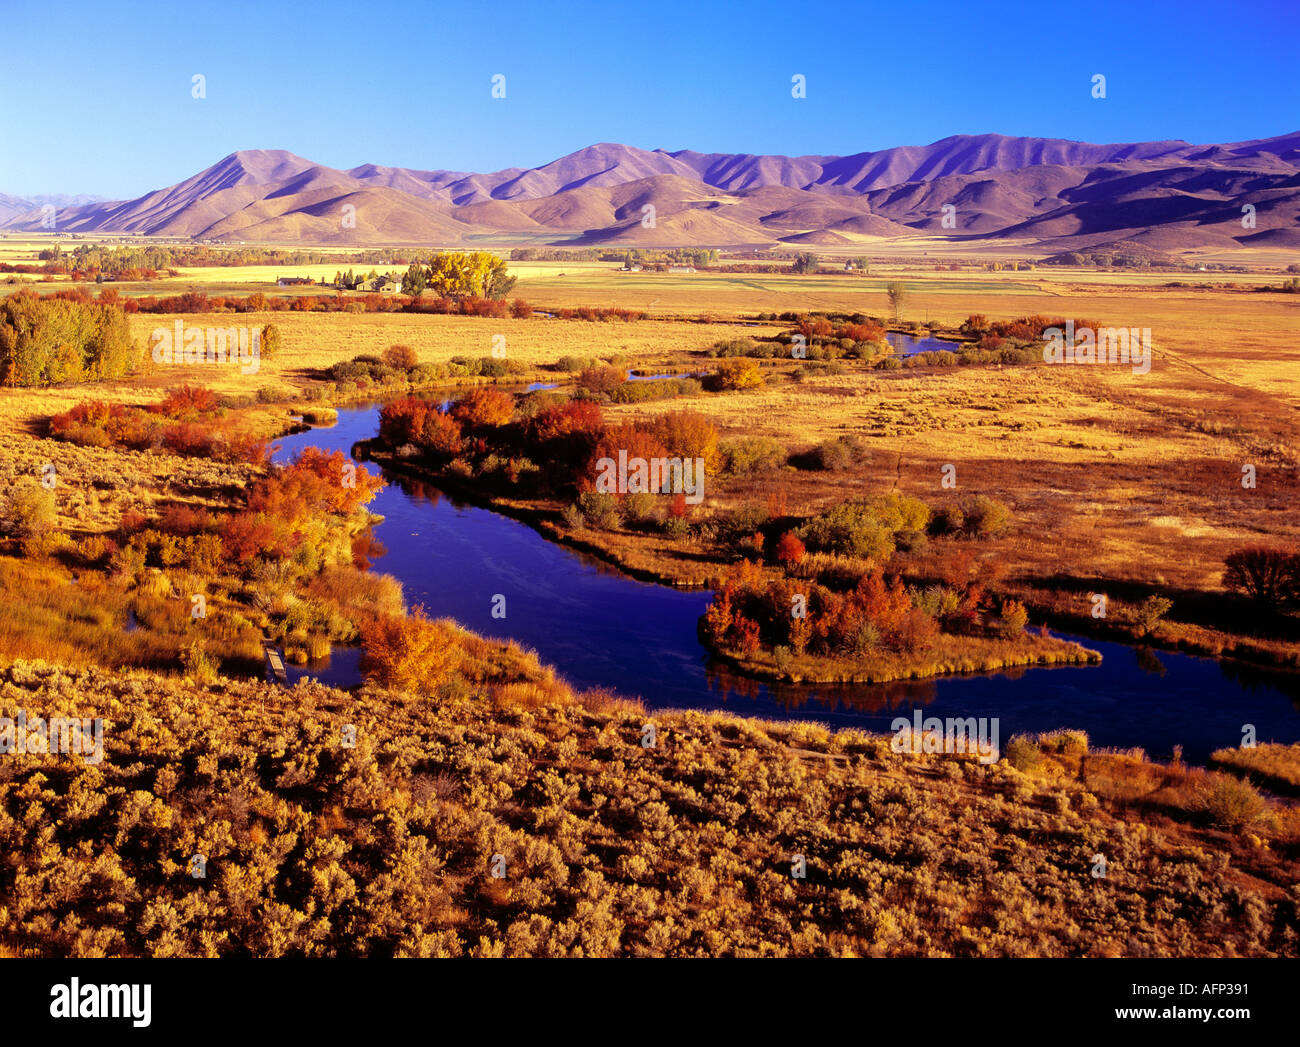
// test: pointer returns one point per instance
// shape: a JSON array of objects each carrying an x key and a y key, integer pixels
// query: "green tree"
[
  {"x": 805, "y": 262},
  {"x": 415, "y": 280},
  {"x": 897, "y": 296}
]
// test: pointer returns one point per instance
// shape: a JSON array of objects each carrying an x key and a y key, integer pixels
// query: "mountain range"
[{"x": 1169, "y": 196}]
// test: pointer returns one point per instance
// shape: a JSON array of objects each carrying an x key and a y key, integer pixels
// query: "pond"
[
  {"x": 906, "y": 345},
  {"x": 600, "y": 628}
]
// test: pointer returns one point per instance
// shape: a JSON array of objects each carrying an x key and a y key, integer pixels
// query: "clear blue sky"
[{"x": 97, "y": 96}]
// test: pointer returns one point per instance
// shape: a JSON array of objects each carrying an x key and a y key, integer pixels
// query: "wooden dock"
[{"x": 275, "y": 671}]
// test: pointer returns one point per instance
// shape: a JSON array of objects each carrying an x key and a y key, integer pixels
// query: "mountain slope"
[{"x": 1049, "y": 191}]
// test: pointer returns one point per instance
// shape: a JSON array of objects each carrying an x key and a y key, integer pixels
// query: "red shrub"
[
  {"x": 184, "y": 520},
  {"x": 401, "y": 420},
  {"x": 190, "y": 439},
  {"x": 188, "y": 402},
  {"x": 483, "y": 407},
  {"x": 789, "y": 549},
  {"x": 245, "y": 536},
  {"x": 864, "y": 332},
  {"x": 440, "y": 434},
  {"x": 575, "y": 418}
]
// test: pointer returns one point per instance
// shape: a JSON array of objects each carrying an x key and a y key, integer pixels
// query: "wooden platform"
[{"x": 275, "y": 664}]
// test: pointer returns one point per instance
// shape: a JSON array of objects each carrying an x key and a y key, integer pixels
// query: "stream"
[{"x": 600, "y": 628}]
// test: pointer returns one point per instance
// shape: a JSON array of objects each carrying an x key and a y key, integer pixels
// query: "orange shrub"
[
  {"x": 789, "y": 549},
  {"x": 188, "y": 402},
  {"x": 401, "y": 357},
  {"x": 689, "y": 434},
  {"x": 482, "y": 406},
  {"x": 412, "y": 653}
]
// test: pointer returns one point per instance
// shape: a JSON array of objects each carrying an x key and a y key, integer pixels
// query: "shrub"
[
  {"x": 789, "y": 550},
  {"x": 653, "y": 389},
  {"x": 483, "y": 407},
  {"x": 188, "y": 402},
  {"x": 1230, "y": 803},
  {"x": 676, "y": 527},
  {"x": 631, "y": 440},
  {"x": 574, "y": 364},
  {"x": 420, "y": 423},
  {"x": 948, "y": 519},
  {"x": 1150, "y": 612},
  {"x": 642, "y": 508},
  {"x": 572, "y": 418},
  {"x": 752, "y": 454},
  {"x": 401, "y": 420},
  {"x": 199, "y": 666},
  {"x": 1268, "y": 576},
  {"x": 850, "y": 529},
  {"x": 29, "y": 510},
  {"x": 1069, "y": 742},
  {"x": 184, "y": 520},
  {"x": 867, "y": 528},
  {"x": 737, "y": 373},
  {"x": 743, "y": 346},
  {"x": 1023, "y": 753},
  {"x": 272, "y": 341},
  {"x": 601, "y": 380},
  {"x": 1014, "y": 619},
  {"x": 835, "y": 455},
  {"x": 598, "y": 510},
  {"x": 411, "y": 653},
  {"x": 400, "y": 357},
  {"x": 985, "y": 517},
  {"x": 564, "y": 437},
  {"x": 689, "y": 434}
]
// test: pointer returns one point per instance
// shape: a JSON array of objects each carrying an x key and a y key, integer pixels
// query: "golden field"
[
  {"x": 1111, "y": 475},
  {"x": 1118, "y": 482},
  {"x": 600, "y": 846}
]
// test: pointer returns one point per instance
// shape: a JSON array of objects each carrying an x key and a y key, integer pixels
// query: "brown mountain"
[{"x": 1168, "y": 195}]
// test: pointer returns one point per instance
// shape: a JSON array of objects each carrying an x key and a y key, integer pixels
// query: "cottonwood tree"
[{"x": 897, "y": 294}]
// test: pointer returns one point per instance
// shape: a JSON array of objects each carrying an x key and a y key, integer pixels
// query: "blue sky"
[{"x": 98, "y": 98}]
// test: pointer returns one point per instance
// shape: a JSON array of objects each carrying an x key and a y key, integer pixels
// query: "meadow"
[
  {"x": 1116, "y": 479},
  {"x": 505, "y": 821},
  {"x": 1114, "y": 482}
]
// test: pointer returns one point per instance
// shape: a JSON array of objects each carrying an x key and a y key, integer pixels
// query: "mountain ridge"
[{"x": 1051, "y": 191}]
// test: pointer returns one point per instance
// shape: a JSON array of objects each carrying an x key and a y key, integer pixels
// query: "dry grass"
[
  {"x": 1273, "y": 765},
  {"x": 386, "y": 847}
]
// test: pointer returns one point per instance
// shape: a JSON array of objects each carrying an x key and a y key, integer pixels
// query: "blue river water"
[{"x": 600, "y": 628}]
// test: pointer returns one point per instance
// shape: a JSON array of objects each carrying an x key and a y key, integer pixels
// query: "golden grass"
[
  {"x": 1271, "y": 764},
  {"x": 386, "y": 846}
]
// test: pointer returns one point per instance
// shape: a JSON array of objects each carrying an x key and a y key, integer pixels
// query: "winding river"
[{"x": 600, "y": 628}]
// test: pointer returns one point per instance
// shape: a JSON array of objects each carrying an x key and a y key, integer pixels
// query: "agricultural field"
[{"x": 1114, "y": 481}]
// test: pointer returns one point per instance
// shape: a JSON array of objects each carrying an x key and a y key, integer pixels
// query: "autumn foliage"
[
  {"x": 188, "y": 421},
  {"x": 483, "y": 407},
  {"x": 878, "y": 614},
  {"x": 411, "y": 653},
  {"x": 421, "y": 424}
]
